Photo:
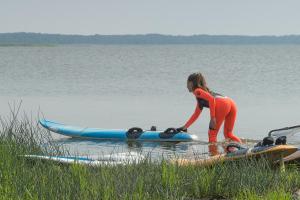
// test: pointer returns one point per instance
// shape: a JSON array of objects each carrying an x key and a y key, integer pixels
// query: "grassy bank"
[{"x": 23, "y": 179}]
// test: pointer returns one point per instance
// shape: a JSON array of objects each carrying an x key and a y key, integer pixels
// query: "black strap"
[
  {"x": 134, "y": 133},
  {"x": 171, "y": 131},
  {"x": 168, "y": 133}
]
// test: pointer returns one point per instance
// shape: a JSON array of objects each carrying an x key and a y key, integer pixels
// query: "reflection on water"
[
  {"x": 153, "y": 149},
  {"x": 100, "y": 149}
]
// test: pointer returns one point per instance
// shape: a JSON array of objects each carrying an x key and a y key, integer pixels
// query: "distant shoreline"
[
  {"x": 28, "y": 45},
  {"x": 43, "y": 39}
]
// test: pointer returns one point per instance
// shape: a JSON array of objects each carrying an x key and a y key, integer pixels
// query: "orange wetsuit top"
[{"x": 204, "y": 99}]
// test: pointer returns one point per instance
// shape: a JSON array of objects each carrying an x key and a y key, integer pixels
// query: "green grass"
[{"x": 24, "y": 179}]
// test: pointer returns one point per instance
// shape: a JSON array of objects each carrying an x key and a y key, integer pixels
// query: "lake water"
[{"x": 121, "y": 86}]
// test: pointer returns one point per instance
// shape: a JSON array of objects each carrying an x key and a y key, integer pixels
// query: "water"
[{"x": 111, "y": 86}]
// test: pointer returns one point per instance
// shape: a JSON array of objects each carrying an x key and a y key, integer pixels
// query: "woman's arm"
[{"x": 194, "y": 116}]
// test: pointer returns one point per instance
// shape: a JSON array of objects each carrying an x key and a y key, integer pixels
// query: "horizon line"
[{"x": 145, "y": 34}]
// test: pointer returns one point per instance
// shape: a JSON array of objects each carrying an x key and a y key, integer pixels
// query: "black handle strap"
[
  {"x": 171, "y": 131},
  {"x": 134, "y": 132}
]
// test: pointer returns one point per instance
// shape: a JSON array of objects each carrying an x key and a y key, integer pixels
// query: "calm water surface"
[{"x": 111, "y": 86}]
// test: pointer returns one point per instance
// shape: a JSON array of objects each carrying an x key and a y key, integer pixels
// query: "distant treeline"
[{"x": 48, "y": 39}]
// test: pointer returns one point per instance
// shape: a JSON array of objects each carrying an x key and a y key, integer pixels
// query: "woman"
[{"x": 221, "y": 108}]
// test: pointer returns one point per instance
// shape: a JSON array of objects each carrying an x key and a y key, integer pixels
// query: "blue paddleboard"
[{"x": 169, "y": 135}]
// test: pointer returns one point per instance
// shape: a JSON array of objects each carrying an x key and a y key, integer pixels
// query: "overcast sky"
[{"x": 176, "y": 17}]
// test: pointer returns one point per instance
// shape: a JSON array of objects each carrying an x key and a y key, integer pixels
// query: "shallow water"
[{"x": 112, "y": 86}]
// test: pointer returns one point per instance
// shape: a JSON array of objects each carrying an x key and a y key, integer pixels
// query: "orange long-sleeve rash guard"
[
  {"x": 208, "y": 101},
  {"x": 194, "y": 116}
]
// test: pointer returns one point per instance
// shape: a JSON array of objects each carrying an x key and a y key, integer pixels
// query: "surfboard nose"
[{"x": 43, "y": 122}]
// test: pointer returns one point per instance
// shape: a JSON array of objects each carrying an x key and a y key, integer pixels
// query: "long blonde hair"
[{"x": 198, "y": 81}]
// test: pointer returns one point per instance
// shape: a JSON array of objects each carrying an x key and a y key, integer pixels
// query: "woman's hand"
[{"x": 213, "y": 123}]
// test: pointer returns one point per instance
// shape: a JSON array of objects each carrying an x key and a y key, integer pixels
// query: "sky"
[{"x": 172, "y": 17}]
